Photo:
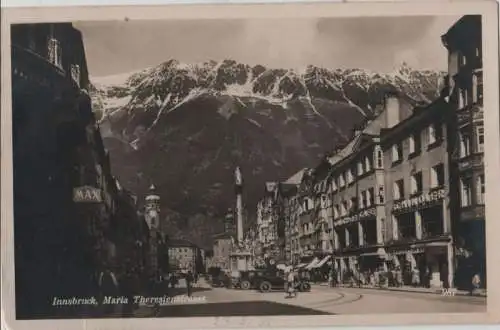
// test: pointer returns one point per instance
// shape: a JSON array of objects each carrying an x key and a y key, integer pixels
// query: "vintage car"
[{"x": 266, "y": 281}]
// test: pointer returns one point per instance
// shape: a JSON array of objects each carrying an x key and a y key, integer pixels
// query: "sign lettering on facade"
[
  {"x": 419, "y": 201},
  {"x": 87, "y": 194}
]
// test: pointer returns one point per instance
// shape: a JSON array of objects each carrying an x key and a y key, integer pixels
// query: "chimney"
[{"x": 392, "y": 106}]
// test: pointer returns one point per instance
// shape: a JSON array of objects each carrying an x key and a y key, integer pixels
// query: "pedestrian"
[
  {"x": 415, "y": 277},
  {"x": 290, "y": 290},
  {"x": 108, "y": 286},
  {"x": 189, "y": 280},
  {"x": 476, "y": 282}
]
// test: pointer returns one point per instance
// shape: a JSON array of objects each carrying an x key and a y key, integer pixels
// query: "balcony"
[
  {"x": 32, "y": 69},
  {"x": 35, "y": 79},
  {"x": 472, "y": 213},
  {"x": 470, "y": 162}
]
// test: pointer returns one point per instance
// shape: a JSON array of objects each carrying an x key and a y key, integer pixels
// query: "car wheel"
[
  {"x": 245, "y": 285},
  {"x": 305, "y": 287},
  {"x": 265, "y": 286}
]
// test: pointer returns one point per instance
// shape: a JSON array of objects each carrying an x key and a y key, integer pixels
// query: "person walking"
[
  {"x": 189, "y": 281},
  {"x": 108, "y": 287},
  {"x": 475, "y": 283},
  {"x": 290, "y": 290}
]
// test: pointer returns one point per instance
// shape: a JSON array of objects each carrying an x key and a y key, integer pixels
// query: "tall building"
[
  {"x": 358, "y": 199},
  {"x": 51, "y": 120},
  {"x": 417, "y": 199},
  {"x": 61, "y": 171},
  {"x": 465, "y": 99}
]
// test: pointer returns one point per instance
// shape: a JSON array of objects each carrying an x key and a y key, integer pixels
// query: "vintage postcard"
[{"x": 250, "y": 165}]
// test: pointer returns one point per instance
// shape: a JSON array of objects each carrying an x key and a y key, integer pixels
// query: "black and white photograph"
[{"x": 287, "y": 166}]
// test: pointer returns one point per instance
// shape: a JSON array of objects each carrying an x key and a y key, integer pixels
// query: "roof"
[
  {"x": 372, "y": 128},
  {"x": 296, "y": 178},
  {"x": 223, "y": 236},
  {"x": 181, "y": 243}
]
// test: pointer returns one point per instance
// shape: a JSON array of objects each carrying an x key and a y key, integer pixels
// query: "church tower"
[{"x": 152, "y": 217}]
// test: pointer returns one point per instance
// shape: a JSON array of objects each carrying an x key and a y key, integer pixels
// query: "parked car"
[{"x": 268, "y": 281}]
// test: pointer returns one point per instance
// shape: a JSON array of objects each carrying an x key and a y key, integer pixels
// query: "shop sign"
[
  {"x": 87, "y": 194},
  {"x": 361, "y": 215},
  {"x": 420, "y": 201}
]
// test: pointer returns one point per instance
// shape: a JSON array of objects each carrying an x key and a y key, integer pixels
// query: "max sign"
[{"x": 87, "y": 194}]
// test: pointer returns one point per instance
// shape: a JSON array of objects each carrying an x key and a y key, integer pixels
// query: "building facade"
[
  {"x": 418, "y": 230},
  {"x": 222, "y": 249},
  {"x": 184, "y": 255},
  {"x": 54, "y": 127},
  {"x": 465, "y": 99}
]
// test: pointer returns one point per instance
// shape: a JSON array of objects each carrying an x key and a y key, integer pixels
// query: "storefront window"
[
  {"x": 432, "y": 221},
  {"x": 406, "y": 226}
]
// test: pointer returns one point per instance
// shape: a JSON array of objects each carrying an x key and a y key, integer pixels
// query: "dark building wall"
[{"x": 60, "y": 245}]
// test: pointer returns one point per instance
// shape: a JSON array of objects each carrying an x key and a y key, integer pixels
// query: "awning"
[
  {"x": 299, "y": 266},
  {"x": 322, "y": 262},
  {"x": 314, "y": 262}
]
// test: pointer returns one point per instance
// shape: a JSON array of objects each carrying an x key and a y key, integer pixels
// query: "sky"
[{"x": 379, "y": 44}]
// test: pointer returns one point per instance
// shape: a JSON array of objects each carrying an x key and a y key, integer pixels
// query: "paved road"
[{"x": 321, "y": 300}]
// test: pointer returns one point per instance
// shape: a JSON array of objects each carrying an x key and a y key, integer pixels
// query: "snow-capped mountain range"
[{"x": 186, "y": 126}]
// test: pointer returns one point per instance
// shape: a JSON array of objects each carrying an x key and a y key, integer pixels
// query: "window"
[
  {"x": 398, "y": 190},
  {"x": 75, "y": 74},
  {"x": 306, "y": 205},
  {"x": 414, "y": 144},
  {"x": 353, "y": 204},
  {"x": 416, "y": 183},
  {"x": 481, "y": 189},
  {"x": 370, "y": 196},
  {"x": 397, "y": 152},
  {"x": 435, "y": 133},
  {"x": 379, "y": 158},
  {"x": 368, "y": 164},
  {"x": 464, "y": 144},
  {"x": 336, "y": 212},
  {"x": 474, "y": 88},
  {"x": 437, "y": 176},
  {"x": 360, "y": 168},
  {"x": 381, "y": 195},
  {"x": 350, "y": 178},
  {"x": 341, "y": 181},
  {"x": 334, "y": 185},
  {"x": 343, "y": 208},
  {"x": 55, "y": 54},
  {"x": 466, "y": 192},
  {"x": 480, "y": 139},
  {"x": 362, "y": 200}
]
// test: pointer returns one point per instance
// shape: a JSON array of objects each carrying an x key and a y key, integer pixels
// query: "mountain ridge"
[{"x": 186, "y": 127}]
